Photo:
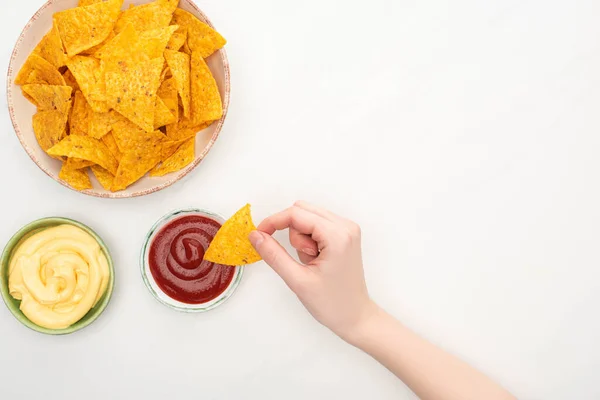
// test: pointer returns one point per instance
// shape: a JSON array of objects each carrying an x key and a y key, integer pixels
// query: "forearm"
[{"x": 429, "y": 371}]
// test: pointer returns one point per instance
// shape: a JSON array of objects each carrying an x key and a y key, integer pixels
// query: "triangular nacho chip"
[
  {"x": 181, "y": 158},
  {"x": 85, "y": 148},
  {"x": 179, "y": 63},
  {"x": 71, "y": 81},
  {"x": 231, "y": 245},
  {"x": 86, "y": 71},
  {"x": 162, "y": 115},
  {"x": 206, "y": 102},
  {"x": 82, "y": 28},
  {"x": 77, "y": 163},
  {"x": 79, "y": 120},
  {"x": 201, "y": 37},
  {"x": 177, "y": 40},
  {"x": 78, "y": 179},
  {"x": 48, "y": 97},
  {"x": 144, "y": 17},
  {"x": 111, "y": 143},
  {"x": 83, "y": 3},
  {"x": 101, "y": 123},
  {"x": 133, "y": 93},
  {"x": 130, "y": 136},
  {"x": 43, "y": 69},
  {"x": 49, "y": 128},
  {"x": 169, "y": 95},
  {"x": 135, "y": 164},
  {"x": 50, "y": 48},
  {"x": 105, "y": 178}
]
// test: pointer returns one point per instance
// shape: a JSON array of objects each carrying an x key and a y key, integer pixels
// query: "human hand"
[{"x": 330, "y": 280}]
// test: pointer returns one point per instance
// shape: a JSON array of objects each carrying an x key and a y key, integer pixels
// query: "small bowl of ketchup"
[{"x": 173, "y": 265}]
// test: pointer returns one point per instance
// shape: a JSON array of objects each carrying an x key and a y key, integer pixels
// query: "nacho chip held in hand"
[{"x": 231, "y": 245}]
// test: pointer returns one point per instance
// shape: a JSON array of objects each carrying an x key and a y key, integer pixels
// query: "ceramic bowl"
[
  {"x": 153, "y": 286},
  {"x": 13, "y": 305},
  {"x": 22, "y": 111}
]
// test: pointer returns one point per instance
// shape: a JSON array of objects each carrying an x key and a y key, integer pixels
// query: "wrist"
[{"x": 365, "y": 321}]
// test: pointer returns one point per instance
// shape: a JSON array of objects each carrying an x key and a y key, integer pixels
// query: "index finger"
[{"x": 303, "y": 221}]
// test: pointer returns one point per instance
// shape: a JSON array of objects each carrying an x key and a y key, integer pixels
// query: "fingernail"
[
  {"x": 310, "y": 252},
  {"x": 256, "y": 238}
]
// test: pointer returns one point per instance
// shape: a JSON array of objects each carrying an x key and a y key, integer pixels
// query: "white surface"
[{"x": 463, "y": 135}]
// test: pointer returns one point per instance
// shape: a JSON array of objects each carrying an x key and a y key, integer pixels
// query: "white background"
[{"x": 463, "y": 135}]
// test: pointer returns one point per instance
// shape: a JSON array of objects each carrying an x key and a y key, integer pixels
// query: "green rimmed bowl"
[{"x": 13, "y": 304}]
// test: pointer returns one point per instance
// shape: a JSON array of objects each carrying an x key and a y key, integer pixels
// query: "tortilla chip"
[
  {"x": 133, "y": 93},
  {"x": 83, "y": 3},
  {"x": 179, "y": 63},
  {"x": 168, "y": 94},
  {"x": 162, "y": 115},
  {"x": 70, "y": 80},
  {"x": 103, "y": 176},
  {"x": 154, "y": 42},
  {"x": 35, "y": 78},
  {"x": 110, "y": 142},
  {"x": 169, "y": 147},
  {"x": 44, "y": 72},
  {"x": 201, "y": 37},
  {"x": 50, "y": 48},
  {"x": 101, "y": 123},
  {"x": 130, "y": 136},
  {"x": 78, "y": 179},
  {"x": 206, "y": 102},
  {"x": 144, "y": 17},
  {"x": 82, "y": 28},
  {"x": 231, "y": 245},
  {"x": 50, "y": 127},
  {"x": 86, "y": 148},
  {"x": 79, "y": 121},
  {"x": 93, "y": 50},
  {"x": 86, "y": 71},
  {"x": 184, "y": 155},
  {"x": 177, "y": 40},
  {"x": 46, "y": 97},
  {"x": 77, "y": 163},
  {"x": 135, "y": 164}
]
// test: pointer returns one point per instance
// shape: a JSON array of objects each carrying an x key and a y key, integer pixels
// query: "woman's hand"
[{"x": 330, "y": 280}]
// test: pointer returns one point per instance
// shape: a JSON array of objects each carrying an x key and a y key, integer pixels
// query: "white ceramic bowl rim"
[{"x": 123, "y": 194}]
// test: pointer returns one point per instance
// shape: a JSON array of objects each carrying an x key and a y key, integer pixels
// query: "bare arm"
[{"x": 330, "y": 283}]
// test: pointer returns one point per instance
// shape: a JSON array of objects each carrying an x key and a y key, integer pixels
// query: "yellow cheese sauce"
[{"x": 59, "y": 274}]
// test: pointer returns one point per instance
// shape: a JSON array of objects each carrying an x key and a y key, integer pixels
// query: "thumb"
[{"x": 276, "y": 256}]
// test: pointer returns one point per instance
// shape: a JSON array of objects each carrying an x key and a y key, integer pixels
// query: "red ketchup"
[{"x": 176, "y": 261}]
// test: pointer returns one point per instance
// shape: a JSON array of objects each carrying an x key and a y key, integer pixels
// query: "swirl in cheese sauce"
[{"x": 59, "y": 274}]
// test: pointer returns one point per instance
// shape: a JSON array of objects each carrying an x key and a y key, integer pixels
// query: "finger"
[
  {"x": 318, "y": 211},
  {"x": 303, "y": 221},
  {"x": 305, "y": 258},
  {"x": 303, "y": 243},
  {"x": 276, "y": 257}
]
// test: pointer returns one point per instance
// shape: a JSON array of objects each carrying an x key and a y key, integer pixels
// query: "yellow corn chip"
[
  {"x": 168, "y": 94},
  {"x": 77, "y": 163},
  {"x": 133, "y": 93},
  {"x": 35, "y": 78},
  {"x": 231, "y": 245},
  {"x": 154, "y": 42},
  {"x": 179, "y": 63},
  {"x": 130, "y": 136},
  {"x": 47, "y": 97},
  {"x": 135, "y": 164},
  {"x": 79, "y": 121},
  {"x": 104, "y": 177},
  {"x": 169, "y": 147},
  {"x": 83, "y": 3},
  {"x": 153, "y": 15},
  {"x": 186, "y": 48},
  {"x": 50, "y": 127},
  {"x": 51, "y": 49},
  {"x": 184, "y": 155},
  {"x": 86, "y": 71},
  {"x": 93, "y": 50},
  {"x": 44, "y": 72},
  {"x": 177, "y": 40},
  {"x": 206, "y": 102},
  {"x": 110, "y": 142},
  {"x": 201, "y": 37},
  {"x": 76, "y": 178},
  {"x": 71, "y": 81},
  {"x": 101, "y": 123},
  {"x": 162, "y": 115},
  {"x": 86, "y": 148},
  {"x": 82, "y": 28}
]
